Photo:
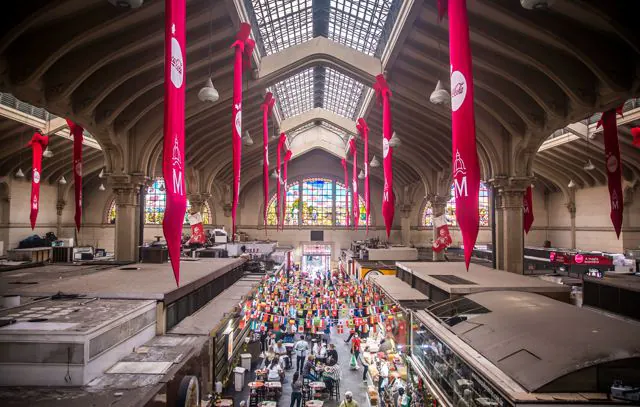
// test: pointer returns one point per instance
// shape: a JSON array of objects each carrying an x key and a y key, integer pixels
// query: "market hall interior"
[{"x": 164, "y": 162}]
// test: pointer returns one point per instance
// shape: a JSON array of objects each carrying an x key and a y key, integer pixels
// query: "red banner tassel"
[
  {"x": 236, "y": 113},
  {"x": 173, "y": 144},
  {"x": 267, "y": 108},
  {"x": 287, "y": 157},
  {"x": 355, "y": 201},
  {"x": 442, "y": 9},
  {"x": 77, "y": 132},
  {"x": 346, "y": 192},
  {"x": 466, "y": 170},
  {"x": 281, "y": 142},
  {"x": 635, "y": 132},
  {"x": 613, "y": 164},
  {"x": 528, "y": 210},
  {"x": 364, "y": 131},
  {"x": 383, "y": 94},
  {"x": 37, "y": 143}
]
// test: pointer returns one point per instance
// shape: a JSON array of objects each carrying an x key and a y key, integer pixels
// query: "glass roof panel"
[
  {"x": 295, "y": 94},
  {"x": 281, "y": 23},
  {"x": 342, "y": 94},
  {"x": 360, "y": 24}
]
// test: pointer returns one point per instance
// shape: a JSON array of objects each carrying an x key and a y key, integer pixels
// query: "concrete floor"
[{"x": 351, "y": 379}]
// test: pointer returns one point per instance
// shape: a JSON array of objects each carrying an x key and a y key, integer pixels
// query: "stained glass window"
[
  {"x": 111, "y": 216},
  {"x": 483, "y": 206},
  {"x": 317, "y": 205},
  {"x": 293, "y": 206},
  {"x": 155, "y": 202},
  {"x": 341, "y": 209},
  {"x": 427, "y": 215}
]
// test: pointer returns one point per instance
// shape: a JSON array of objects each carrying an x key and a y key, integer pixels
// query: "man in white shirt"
[
  {"x": 300, "y": 348},
  {"x": 281, "y": 352}
]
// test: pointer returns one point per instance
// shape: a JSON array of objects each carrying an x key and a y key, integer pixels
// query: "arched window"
[
  {"x": 450, "y": 209},
  {"x": 155, "y": 204},
  {"x": 319, "y": 195}
]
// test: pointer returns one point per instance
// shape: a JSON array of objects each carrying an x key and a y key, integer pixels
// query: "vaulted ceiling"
[{"x": 535, "y": 71}]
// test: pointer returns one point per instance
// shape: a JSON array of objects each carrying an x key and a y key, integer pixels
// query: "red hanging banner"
[
  {"x": 173, "y": 144},
  {"x": 347, "y": 215},
  {"x": 466, "y": 171},
  {"x": 355, "y": 201},
  {"x": 77, "y": 133},
  {"x": 281, "y": 142},
  {"x": 241, "y": 51},
  {"x": 267, "y": 107},
  {"x": 364, "y": 131},
  {"x": 287, "y": 157},
  {"x": 614, "y": 167},
  {"x": 37, "y": 143},
  {"x": 635, "y": 132},
  {"x": 383, "y": 94},
  {"x": 528, "y": 210}
]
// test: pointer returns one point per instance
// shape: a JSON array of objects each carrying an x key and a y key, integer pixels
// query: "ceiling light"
[
  {"x": 162, "y": 188},
  {"x": 101, "y": 175},
  {"x": 247, "y": 140},
  {"x": 361, "y": 175},
  {"x": 101, "y": 187},
  {"x": 127, "y": 3},
  {"x": 571, "y": 184},
  {"x": 440, "y": 96},
  {"x": 374, "y": 162},
  {"x": 394, "y": 141},
  {"x": 47, "y": 153},
  {"x": 589, "y": 166},
  {"x": 261, "y": 163},
  {"x": 62, "y": 180},
  {"x": 536, "y": 4},
  {"x": 533, "y": 186},
  {"x": 208, "y": 93},
  {"x": 19, "y": 173},
  {"x": 274, "y": 174}
]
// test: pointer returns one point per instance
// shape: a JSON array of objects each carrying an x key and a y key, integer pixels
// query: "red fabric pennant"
[
  {"x": 236, "y": 114},
  {"x": 614, "y": 168},
  {"x": 442, "y": 9},
  {"x": 364, "y": 131},
  {"x": 281, "y": 143},
  {"x": 346, "y": 192},
  {"x": 388, "y": 198},
  {"x": 78, "y": 136},
  {"x": 528, "y": 209},
  {"x": 466, "y": 170},
  {"x": 267, "y": 108},
  {"x": 635, "y": 132},
  {"x": 355, "y": 201},
  {"x": 287, "y": 157},
  {"x": 37, "y": 143},
  {"x": 173, "y": 145}
]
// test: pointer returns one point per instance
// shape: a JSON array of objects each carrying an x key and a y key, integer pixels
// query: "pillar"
[
  {"x": 571, "y": 206},
  {"x": 405, "y": 224},
  {"x": 510, "y": 223},
  {"x": 438, "y": 207},
  {"x": 127, "y": 197},
  {"x": 60, "y": 204}
]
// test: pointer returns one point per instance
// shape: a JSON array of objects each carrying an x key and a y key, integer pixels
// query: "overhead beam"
[{"x": 318, "y": 114}]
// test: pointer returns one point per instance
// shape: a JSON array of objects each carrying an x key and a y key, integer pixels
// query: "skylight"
[
  {"x": 281, "y": 23},
  {"x": 295, "y": 94},
  {"x": 361, "y": 24},
  {"x": 342, "y": 94}
]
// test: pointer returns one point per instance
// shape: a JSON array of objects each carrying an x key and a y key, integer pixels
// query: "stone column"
[
  {"x": 60, "y": 204},
  {"x": 571, "y": 206},
  {"x": 509, "y": 225},
  {"x": 127, "y": 196},
  {"x": 405, "y": 224},
  {"x": 438, "y": 207}
]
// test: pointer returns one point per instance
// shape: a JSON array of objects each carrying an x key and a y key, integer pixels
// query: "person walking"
[
  {"x": 365, "y": 364},
  {"x": 301, "y": 348},
  {"x": 348, "y": 400},
  {"x": 355, "y": 346},
  {"x": 296, "y": 390}
]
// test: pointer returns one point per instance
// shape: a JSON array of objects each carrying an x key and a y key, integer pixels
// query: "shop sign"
[{"x": 589, "y": 259}]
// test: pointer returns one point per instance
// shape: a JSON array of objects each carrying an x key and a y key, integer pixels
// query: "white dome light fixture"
[
  {"x": 274, "y": 174},
  {"x": 395, "y": 141},
  {"x": 589, "y": 166},
  {"x": 361, "y": 175},
  {"x": 571, "y": 184},
  {"x": 208, "y": 93},
  {"x": 101, "y": 175},
  {"x": 62, "y": 180},
  {"x": 127, "y": 3},
  {"x": 162, "y": 188},
  {"x": 440, "y": 96},
  {"x": 47, "y": 153},
  {"x": 247, "y": 140},
  {"x": 101, "y": 187},
  {"x": 19, "y": 173},
  {"x": 536, "y": 4},
  {"x": 374, "y": 162}
]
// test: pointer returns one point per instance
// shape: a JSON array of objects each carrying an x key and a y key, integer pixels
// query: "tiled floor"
[{"x": 351, "y": 379}]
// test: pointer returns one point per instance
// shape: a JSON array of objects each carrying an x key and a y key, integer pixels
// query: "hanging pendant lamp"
[
  {"x": 247, "y": 140},
  {"x": 361, "y": 175},
  {"x": 208, "y": 93},
  {"x": 47, "y": 153},
  {"x": 571, "y": 184},
  {"x": 19, "y": 173},
  {"x": 101, "y": 175},
  {"x": 374, "y": 162},
  {"x": 589, "y": 166},
  {"x": 440, "y": 96},
  {"x": 101, "y": 187},
  {"x": 62, "y": 180},
  {"x": 395, "y": 141}
]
